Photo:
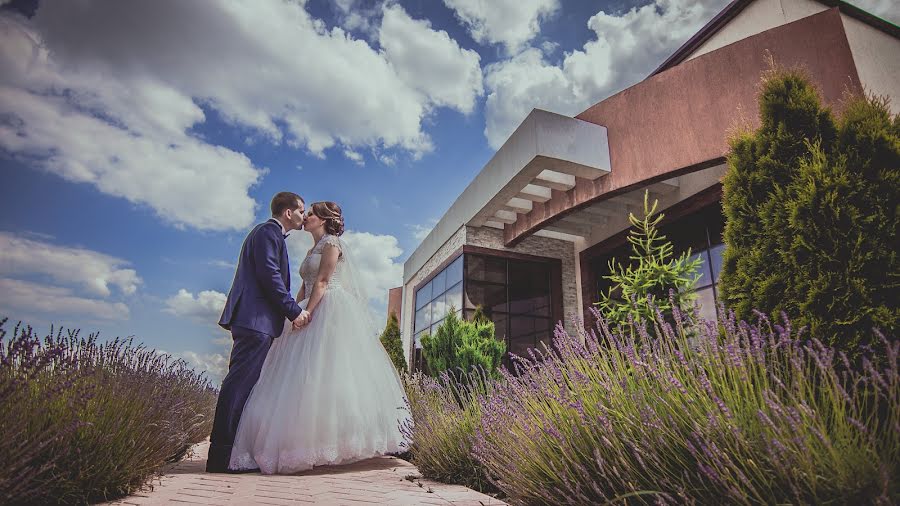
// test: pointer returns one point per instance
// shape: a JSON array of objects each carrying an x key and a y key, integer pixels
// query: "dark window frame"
[{"x": 466, "y": 252}]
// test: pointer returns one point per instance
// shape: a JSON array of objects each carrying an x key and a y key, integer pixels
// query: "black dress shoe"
[{"x": 213, "y": 468}]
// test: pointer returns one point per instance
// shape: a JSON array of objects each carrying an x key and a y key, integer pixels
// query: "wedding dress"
[{"x": 328, "y": 393}]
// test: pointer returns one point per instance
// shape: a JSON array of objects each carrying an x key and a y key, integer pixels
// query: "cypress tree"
[
  {"x": 761, "y": 165},
  {"x": 811, "y": 207},
  {"x": 843, "y": 210},
  {"x": 459, "y": 346},
  {"x": 393, "y": 345}
]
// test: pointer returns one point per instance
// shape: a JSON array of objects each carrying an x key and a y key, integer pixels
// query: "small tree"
[
  {"x": 459, "y": 346},
  {"x": 393, "y": 345},
  {"x": 639, "y": 288}
]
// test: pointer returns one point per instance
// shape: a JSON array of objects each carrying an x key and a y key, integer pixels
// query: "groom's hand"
[{"x": 301, "y": 319}]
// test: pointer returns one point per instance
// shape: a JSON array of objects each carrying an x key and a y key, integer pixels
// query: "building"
[
  {"x": 530, "y": 237},
  {"x": 395, "y": 302}
]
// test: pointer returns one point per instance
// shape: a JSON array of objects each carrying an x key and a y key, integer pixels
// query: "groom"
[{"x": 259, "y": 301}]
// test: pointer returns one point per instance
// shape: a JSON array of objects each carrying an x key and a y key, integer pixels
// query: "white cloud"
[
  {"x": 90, "y": 270},
  {"x": 215, "y": 365},
  {"x": 206, "y": 306},
  {"x": 549, "y": 47},
  {"x": 626, "y": 49},
  {"x": 509, "y": 22},
  {"x": 361, "y": 18},
  {"x": 420, "y": 232},
  {"x": 354, "y": 156},
  {"x": 222, "y": 264},
  {"x": 127, "y": 136},
  {"x": 36, "y": 298},
  {"x": 375, "y": 257},
  {"x": 94, "y": 92},
  {"x": 430, "y": 61}
]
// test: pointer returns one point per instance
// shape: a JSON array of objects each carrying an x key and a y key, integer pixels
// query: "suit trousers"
[{"x": 247, "y": 357}]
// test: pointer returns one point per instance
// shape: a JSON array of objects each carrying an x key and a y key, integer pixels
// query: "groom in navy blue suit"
[{"x": 258, "y": 303}]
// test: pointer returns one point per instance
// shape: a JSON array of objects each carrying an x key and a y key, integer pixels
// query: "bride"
[{"x": 328, "y": 393}]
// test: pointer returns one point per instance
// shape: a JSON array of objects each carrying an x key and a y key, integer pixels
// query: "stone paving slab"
[{"x": 380, "y": 480}]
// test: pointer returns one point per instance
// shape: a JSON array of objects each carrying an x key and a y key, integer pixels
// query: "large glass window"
[
  {"x": 515, "y": 294},
  {"x": 435, "y": 298}
]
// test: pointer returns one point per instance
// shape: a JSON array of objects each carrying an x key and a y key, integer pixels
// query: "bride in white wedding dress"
[{"x": 328, "y": 392}]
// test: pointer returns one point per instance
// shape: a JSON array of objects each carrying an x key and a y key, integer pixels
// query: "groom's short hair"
[{"x": 284, "y": 200}]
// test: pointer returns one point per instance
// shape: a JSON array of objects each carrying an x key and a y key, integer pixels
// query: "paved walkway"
[{"x": 382, "y": 480}]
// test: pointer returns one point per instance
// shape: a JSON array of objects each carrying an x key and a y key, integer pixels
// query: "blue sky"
[{"x": 139, "y": 143}]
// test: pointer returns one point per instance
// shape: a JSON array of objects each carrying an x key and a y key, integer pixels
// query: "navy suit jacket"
[{"x": 260, "y": 296}]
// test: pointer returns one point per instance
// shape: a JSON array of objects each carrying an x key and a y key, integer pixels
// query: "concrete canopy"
[{"x": 545, "y": 153}]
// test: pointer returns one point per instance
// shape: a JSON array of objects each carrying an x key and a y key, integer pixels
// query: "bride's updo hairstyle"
[{"x": 330, "y": 213}]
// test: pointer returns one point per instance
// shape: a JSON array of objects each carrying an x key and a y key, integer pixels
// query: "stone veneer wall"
[
  {"x": 408, "y": 312},
  {"x": 487, "y": 237}
]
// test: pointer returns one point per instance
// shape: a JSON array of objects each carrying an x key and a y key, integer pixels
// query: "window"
[
  {"x": 435, "y": 298},
  {"x": 515, "y": 294}
]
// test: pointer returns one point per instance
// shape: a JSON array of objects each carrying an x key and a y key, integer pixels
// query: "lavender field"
[
  {"x": 84, "y": 421},
  {"x": 689, "y": 413}
]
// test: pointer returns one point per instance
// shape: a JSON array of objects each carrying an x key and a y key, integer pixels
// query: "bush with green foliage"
[
  {"x": 658, "y": 279},
  {"x": 393, "y": 345},
  {"x": 459, "y": 346},
  {"x": 84, "y": 421},
  {"x": 811, "y": 214}
]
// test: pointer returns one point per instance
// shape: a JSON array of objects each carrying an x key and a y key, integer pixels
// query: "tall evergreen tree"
[
  {"x": 811, "y": 207},
  {"x": 843, "y": 211},
  {"x": 393, "y": 344},
  {"x": 479, "y": 316},
  {"x": 761, "y": 165}
]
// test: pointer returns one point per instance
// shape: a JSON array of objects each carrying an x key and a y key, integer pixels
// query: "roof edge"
[{"x": 737, "y": 6}]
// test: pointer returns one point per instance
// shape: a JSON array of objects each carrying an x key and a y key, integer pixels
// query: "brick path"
[{"x": 381, "y": 480}]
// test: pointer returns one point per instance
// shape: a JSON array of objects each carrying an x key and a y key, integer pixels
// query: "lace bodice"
[{"x": 309, "y": 269}]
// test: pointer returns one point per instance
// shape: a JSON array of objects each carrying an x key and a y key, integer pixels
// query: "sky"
[{"x": 141, "y": 141}]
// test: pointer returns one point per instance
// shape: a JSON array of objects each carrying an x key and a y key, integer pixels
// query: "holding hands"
[{"x": 301, "y": 320}]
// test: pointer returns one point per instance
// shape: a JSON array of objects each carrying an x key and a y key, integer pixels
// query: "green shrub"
[
  {"x": 393, "y": 345},
  {"x": 656, "y": 281},
  {"x": 84, "y": 421},
  {"x": 843, "y": 221},
  {"x": 811, "y": 214},
  {"x": 459, "y": 346}
]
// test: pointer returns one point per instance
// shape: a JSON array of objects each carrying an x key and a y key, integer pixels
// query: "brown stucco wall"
[
  {"x": 679, "y": 120},
  {"x": 395, "y": 302}
]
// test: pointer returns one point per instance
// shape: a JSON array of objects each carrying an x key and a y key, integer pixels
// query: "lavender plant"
[
  {"x": 747, "y": 413},
  {"x": 446, "y": 412},
  {"x": 85, "y": 421}
]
